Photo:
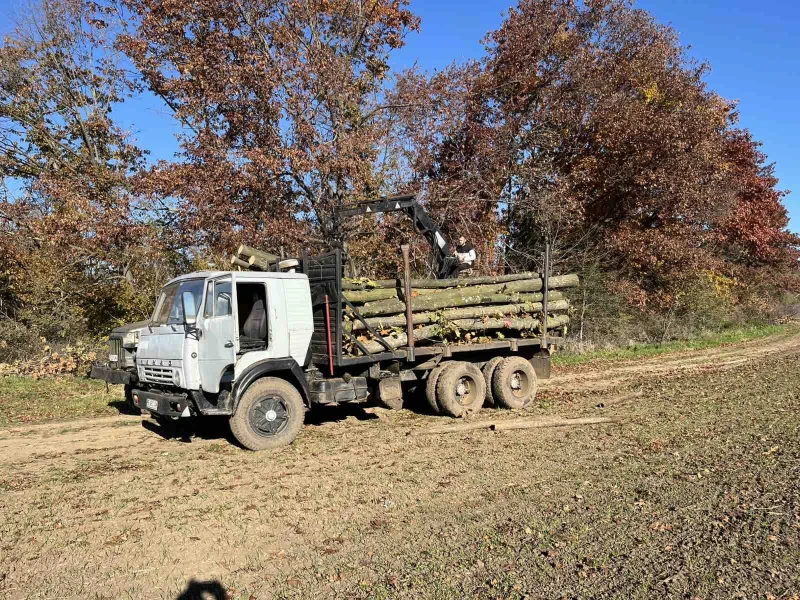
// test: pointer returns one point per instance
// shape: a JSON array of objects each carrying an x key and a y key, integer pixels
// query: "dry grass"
[{"x": 26, "y": 399}]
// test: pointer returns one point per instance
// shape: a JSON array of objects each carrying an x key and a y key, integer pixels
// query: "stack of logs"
[
  {"x": 464, "y": 310},
  {"x": 251, "y": 259}
]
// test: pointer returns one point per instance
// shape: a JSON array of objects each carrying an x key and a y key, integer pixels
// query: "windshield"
[{"x": 169, "y": 309}]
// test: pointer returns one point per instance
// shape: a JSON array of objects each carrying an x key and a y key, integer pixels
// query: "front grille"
[
  {"x": 158, "y": 374},
  {"x": 115, "y": 349}
]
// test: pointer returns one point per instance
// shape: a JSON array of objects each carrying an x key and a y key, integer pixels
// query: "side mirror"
[{"x": 189, "y": 309}]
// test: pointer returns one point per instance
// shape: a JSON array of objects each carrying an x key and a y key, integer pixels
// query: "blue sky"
[{"x": 753, "y": 49}]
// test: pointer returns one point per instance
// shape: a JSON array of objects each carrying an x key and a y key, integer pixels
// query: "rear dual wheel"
[
  {"x": 430, "y": 387},
  {"x": 457, "y": 389},
  {"x": 488, "y": 372},
  {"x": 513, "y": 383}
]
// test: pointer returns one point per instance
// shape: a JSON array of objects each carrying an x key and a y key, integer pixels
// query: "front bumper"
[
  {"x": 109, "y": 375},
  {"x": 165, "y": 405}
]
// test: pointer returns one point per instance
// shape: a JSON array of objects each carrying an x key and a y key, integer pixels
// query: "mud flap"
[
  {"x": 542, "y": 364},
  {"x": 390, "y": 393}
]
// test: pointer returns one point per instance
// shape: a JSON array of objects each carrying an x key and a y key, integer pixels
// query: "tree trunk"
[
  {"x": 445, "y": 284},
  {"x": 465, "y": 281},
  {"x": 260, "y": 263},
  {"x": 516, "y": 323},
  {"x": 363, "y": 296},
  {"x": 261, "y": 257},
  {"x": 238, "y": 262},
  {"x": 430, "y": 331},
  {"x": 368, "y": 284},
  {"x": 449, "y": 299},
  {"x": 508, "y": 287},
  {"x": 469, "y": 312}
]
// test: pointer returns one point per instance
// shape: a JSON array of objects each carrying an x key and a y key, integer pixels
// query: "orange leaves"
[
  {"x": 281, "y": 105},
  {"x": 755, "y": 230}
]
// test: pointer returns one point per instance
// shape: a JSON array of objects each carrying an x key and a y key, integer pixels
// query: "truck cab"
[
  {"x": 213, "y": 334},
  {"x": 210, "y": 327}
]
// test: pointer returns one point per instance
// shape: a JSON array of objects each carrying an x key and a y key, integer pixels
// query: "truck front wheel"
[
  {"x": 129, "y": 400},
  {"x": 270, "y": 415}
]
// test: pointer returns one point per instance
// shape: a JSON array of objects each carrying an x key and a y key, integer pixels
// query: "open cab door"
[{"x": 218, "y": 342}]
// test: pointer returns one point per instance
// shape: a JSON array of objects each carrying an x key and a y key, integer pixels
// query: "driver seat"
[{"x": 255, "y": 327}]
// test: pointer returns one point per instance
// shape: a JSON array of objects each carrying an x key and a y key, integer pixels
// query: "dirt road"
[{"x": 696, "y": 494}]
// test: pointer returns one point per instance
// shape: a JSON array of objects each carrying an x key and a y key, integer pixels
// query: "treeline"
[{"x": 585, "y": 126}]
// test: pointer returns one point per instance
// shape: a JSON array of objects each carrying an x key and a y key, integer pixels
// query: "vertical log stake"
[{"x": 407, "y": 293}]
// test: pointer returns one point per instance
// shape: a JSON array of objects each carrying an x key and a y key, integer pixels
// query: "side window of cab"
[
  {"x": 219, "y": 299},
  {"x": 223, "y": 299},
  {"x": 208, "y": 311}
]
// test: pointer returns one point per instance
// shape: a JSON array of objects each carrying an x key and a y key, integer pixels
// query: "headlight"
[{"x": 176, "y": 378}]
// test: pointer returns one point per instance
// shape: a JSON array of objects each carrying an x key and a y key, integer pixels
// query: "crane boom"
[{"x": 422, "y": 221}]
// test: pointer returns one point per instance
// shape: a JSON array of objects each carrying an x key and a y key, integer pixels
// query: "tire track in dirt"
[{"x": 592, "y": 377}]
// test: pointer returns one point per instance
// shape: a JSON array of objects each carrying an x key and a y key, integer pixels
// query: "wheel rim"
[
  {"x": 466, "y": 391},
  {"x": 520, "y": 384},
  {"x": 269, "y": 416}
]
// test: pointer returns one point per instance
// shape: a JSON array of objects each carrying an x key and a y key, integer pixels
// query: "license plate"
[
  {"x": 113, "y": 357},
  {"x": 152, "y": 404}
]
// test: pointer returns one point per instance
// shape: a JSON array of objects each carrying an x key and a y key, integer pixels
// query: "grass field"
[
  {"x": 30, "y": 400},
  {"x": 713, "y": 340}
]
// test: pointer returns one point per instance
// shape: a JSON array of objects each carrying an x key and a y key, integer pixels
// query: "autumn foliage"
[{"x": 585, "y": 126}]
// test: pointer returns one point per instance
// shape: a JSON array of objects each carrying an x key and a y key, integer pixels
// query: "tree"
[
  {"x": 592, "y": 131},
  {"x": 71, "y": 246},
  {"x": 755, "y": 231},
  {"x": 282, "y": 107}
]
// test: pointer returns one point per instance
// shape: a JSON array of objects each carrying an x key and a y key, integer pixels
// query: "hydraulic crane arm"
[{"x": 423, "y": 223}]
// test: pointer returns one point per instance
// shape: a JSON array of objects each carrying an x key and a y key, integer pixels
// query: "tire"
[
  {"x": 514, "y": 383},
  {"x": 269, "y": 416},
  {"x": 461, "y": 390},
  {"x": 488, "y": 370},
  {"x": 430, "y": 387},
  {"x": 134, "y": 410}
]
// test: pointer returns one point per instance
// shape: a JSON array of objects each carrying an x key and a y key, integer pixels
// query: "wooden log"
[
  {"x": 560, "y": 281},
  {"x": 509, "y": 424},
  {"x": 259, "y": 255},
  {"x": 465, "y": 281},
  {"x": 259, "y": 263},
  {"x": 468, "y": 312},
  {"x": 448, "y": 299},
  {"x": 517, "y": 323},
  {"x": 427, "y": 332},
  {"x": 511, "y": 287},
  {"x": 238, "y": 262},
  {"x": 368, "y": 284},
  {"x": 360, "y": 297}
]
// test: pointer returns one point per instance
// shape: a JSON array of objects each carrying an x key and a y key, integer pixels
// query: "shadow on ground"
[
  {"x": 124, "y": 408},
  {"x": 217, "y": 428},
  {"x": 203, "y": 590},
  {"x": 187, "y": 429},
  {"x": 334, "y": 414}
]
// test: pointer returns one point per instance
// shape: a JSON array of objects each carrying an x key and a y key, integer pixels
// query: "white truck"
[{"x": 264, "y": 347}]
